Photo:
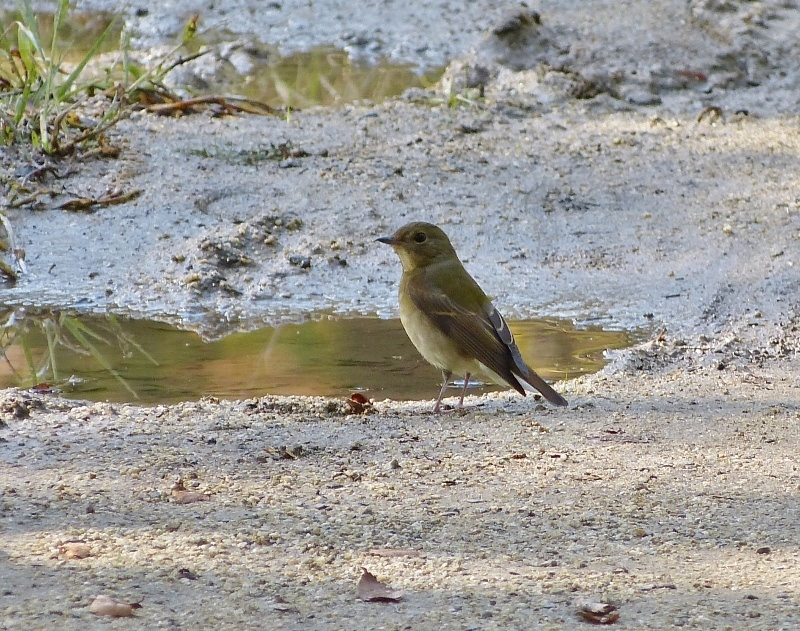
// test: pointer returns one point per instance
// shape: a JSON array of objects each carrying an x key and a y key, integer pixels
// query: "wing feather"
[{"x": 479, "y": 330}]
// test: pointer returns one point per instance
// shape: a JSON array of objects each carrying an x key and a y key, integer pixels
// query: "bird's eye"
[{"x": 420, "y": 237}]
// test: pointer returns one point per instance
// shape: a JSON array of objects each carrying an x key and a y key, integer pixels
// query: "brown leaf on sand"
[
  {"x": 372, "y": 590},
  {"x": 393, "y": 553},
  {"x": 182, "y": 496},
  {"x": 75, "y": 550},
  {"x": 598, "y": 613},
  {"x": 359, "y": 404},
  {"x": 107, "y": 606}
]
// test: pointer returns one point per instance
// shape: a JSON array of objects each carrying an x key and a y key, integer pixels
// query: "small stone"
[{"x": 303, "y": 262}]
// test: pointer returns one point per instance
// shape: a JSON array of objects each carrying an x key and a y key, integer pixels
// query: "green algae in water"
[{"x": 163, "y": 364}]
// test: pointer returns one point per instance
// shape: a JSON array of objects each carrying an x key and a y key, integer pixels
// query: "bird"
[{"x": 449, "y": 319}]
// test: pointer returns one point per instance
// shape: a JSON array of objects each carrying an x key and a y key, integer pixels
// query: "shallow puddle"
[
  {"x": 116, "y": 359},
  {"x": 323, "y": 76}
]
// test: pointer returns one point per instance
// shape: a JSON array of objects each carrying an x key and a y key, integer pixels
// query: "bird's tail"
[{"x": 535, "y": 382}]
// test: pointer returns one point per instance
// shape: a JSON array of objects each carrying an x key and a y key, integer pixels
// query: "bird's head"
[{"x": 419, "y": 244}]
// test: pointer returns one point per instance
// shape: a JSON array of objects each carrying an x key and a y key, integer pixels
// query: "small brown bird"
[{"x": 451, "y": 321}]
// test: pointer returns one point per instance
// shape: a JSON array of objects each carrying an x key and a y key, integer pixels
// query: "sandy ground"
[
  {"x": 670, "y": 493},
  {"x": 583, "y": 185}
]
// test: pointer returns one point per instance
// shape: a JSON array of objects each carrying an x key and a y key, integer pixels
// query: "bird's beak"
[{"x": 386, "y": 240}]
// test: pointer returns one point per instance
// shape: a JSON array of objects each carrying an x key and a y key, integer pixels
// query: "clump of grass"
[
  {"x": 41, "y": 95},
  {"x": 38, "y": 94},
  {"x": 59, "y": 108}
]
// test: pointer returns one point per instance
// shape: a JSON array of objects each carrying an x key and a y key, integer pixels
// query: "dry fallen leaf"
[
  {"x": 182, "y": 496},
  {"x": 44, "y": 388},
  {"x": 372, "y": 590},
  {"x": 75, "y": 550},
  {"x": 106, "y": 606},
  {"x": 359, "y": 404},
  {"x": 598, "y": 613}
]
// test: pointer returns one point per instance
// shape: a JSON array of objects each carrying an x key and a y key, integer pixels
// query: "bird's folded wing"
[
  {"x": 507, "y": 337},
  {"x": 471, "y": 330},
  {"x": 520, "y": 368}
]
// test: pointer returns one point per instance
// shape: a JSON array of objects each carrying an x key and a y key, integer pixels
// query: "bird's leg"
[
  {"x": 446, "y": 374},
  {"x": 464, "y": 391}
]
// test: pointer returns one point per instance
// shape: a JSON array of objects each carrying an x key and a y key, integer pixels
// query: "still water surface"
[{"x": 116, "y": 359}]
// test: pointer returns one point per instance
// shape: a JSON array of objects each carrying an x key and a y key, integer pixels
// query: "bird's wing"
[
  {"x": 507, "y": 337},
  {"x": 468, "y": 326},
  {"x": 477, "y": 328},
  {"x": 520, "y": 367}
]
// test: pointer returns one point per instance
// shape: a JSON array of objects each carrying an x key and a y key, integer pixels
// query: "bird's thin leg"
[
  {"x": 464, "y": 391},
  {"x": 446, "y": 374}
]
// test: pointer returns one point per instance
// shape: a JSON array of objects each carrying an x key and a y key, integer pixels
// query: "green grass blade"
[
  {"x": 124, "y": 47},
  {"x": 30, "y": 25},
  {"x": 139, "y": 348},
  {"x": 76, "y": 324},
  {"x": 26, "y": 9},
  {"x": 67, "y": 85},
  {"x": 44, "y": 134},
  {"x": 22, "y": 103},
  {"x": 128, "y": 339},
  {"x": 26, "y": 44},
  {"x": 26, "y": 351},
  {"x": 58, "y": 19}
]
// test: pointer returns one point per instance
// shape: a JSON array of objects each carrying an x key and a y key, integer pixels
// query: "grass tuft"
[{"x": 44, "y": 99}]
